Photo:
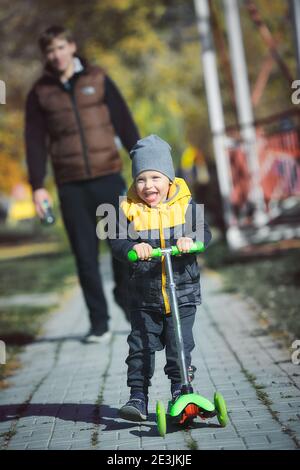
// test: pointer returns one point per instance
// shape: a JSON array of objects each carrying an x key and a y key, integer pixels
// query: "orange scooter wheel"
[{"x": 190, "y": 412}]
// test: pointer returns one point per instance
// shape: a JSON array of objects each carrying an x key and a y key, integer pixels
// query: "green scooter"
[{"x": 189, "y": 405}]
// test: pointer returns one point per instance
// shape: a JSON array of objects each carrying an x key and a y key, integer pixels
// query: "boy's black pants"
[
  {"x": 78, "y": 202},
  {"x": 152, "y": 331}
]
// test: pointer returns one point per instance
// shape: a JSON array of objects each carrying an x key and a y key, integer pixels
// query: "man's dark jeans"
[
  {"x": 78, "y": 202},
  {"x": 152, "y": 331}
]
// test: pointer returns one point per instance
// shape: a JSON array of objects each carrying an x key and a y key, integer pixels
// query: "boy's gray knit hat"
[{"x": 152, "y": 153}]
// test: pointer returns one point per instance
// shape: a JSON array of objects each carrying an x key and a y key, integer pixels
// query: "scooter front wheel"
[
  {"x": 161, "y": 418},
  {"x": 221, "y": 409}
]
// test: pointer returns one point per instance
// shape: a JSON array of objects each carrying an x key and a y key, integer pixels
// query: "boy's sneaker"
[
  {"x": 97, "y": 337},
  {"x": 136, "y": 408},
  {"x": 177, "y": 392}
]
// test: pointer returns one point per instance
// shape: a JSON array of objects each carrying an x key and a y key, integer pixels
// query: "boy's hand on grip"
[
  {"x": 184, "y": 244},
  {"x": 143, "y": 250}
]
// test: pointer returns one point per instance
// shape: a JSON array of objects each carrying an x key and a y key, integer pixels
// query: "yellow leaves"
[
  {"x": 12, "y": 134},
  {"x": 188, "y": 157},
  {"x": 107, "y": 59},
  {"x": 141, "y": 43},
  {"x": 11, "y": 150},
  {"x": 174, "y": 107},
  {"x": 11, "y": 173},
  {"x": 21, "y": 210},
  {"x": 120, "y": 5}
]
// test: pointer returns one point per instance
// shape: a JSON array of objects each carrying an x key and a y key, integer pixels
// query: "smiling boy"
[
  {"x": 160, "y": 213},
  {"x": 153, "y": 188}
]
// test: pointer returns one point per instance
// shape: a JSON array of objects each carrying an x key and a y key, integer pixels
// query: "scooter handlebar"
[{"x": 197, "y": 247}]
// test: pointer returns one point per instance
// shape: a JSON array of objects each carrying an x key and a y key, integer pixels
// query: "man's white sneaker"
[{"x": 92, "y": 338}]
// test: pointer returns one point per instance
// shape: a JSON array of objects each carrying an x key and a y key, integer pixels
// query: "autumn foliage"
[{"x": 152, "y": 51}]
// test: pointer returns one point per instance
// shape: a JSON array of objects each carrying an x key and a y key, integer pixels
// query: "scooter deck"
[{"x": 175, "y": 409}]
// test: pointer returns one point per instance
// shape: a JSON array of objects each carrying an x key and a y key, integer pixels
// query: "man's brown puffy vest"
[{"x": 81, "y": 135}]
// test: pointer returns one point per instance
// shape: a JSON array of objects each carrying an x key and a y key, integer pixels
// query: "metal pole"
[
  {"x": 176, "y": 321},
  {"x": 244, "y": 107},
  {"x": 295, "y": 9},
  {"x": 215, "y": 110}
]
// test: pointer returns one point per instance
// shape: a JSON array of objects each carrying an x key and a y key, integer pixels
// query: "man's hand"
[
  {"x": 143, "y": 250},
  {"x": 39, "y": 195},
  {"x": 184, "y": 244}
]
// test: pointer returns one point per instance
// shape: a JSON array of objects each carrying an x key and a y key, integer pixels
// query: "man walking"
[{"x": 75, "y": 112}]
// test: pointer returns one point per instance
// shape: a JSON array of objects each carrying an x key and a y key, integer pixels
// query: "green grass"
[
  {"x": 36, "y": 273},
  {"x": 19, "y": 326},
  {"x": 273, "y": 281}
]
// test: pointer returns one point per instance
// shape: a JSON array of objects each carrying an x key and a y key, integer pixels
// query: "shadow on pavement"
[
  {"x": 87, "y": 413},
  {"x": 105, "y": 415},
  {"x": 171, "y": 428},
  {"x": 17, "y": 339}
]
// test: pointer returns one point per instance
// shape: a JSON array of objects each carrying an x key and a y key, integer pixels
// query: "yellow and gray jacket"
[{"x": 161, "y": 226}]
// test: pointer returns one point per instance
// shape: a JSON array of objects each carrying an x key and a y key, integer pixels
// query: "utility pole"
[
  {"x": 295, "y": 9},
  {"x": 216, "y": 118},
  {"x": 244, "y": 107}
]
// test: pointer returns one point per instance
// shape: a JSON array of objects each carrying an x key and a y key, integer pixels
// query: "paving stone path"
[{"x": 66, "y": 395}]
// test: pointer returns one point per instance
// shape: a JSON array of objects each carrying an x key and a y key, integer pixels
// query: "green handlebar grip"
[
  {"x": 132, "y": 256},
  {"x": 197, "y": 247}
]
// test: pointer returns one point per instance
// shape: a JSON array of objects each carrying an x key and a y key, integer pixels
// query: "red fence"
[
  {"x": 279, "y": 157},
  {"x": 279, "y": 166}
]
